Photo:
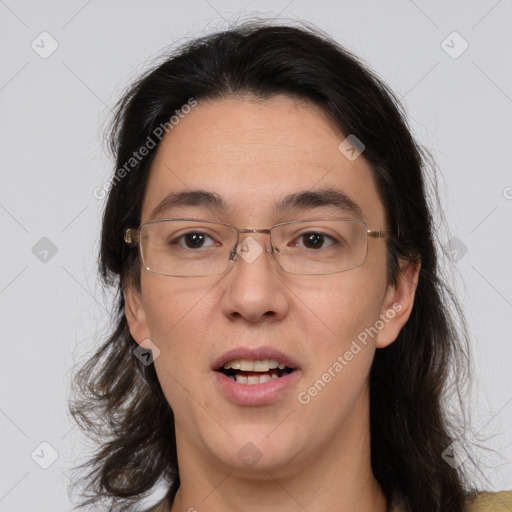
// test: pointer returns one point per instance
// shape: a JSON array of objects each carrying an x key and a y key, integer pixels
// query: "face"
[{"x": 253, "y": 154}]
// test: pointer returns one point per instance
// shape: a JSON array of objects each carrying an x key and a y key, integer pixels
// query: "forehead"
[{"x": 253, "y": 153}]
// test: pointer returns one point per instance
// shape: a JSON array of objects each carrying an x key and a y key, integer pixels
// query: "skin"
[{"x": 314, "y": 457}]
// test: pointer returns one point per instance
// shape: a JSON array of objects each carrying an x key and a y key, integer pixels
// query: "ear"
[
  {"x": 398, "y": 303},
  {"x": 135, "y": 314}
]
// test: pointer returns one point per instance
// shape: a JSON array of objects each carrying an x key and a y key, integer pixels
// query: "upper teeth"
[{"x": 248, "y": 365}]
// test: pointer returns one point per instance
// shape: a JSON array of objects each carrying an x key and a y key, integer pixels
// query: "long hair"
[{"x": 119, "y": 400}]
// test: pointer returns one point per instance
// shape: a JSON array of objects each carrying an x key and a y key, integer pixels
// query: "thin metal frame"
[{"x": 132, "y": 238}]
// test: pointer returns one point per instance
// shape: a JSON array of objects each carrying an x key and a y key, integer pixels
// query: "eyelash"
[{"x": 334, "y": 241}]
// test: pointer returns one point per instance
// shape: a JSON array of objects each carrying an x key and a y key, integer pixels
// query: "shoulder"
[{"x": 491, "y": 502}]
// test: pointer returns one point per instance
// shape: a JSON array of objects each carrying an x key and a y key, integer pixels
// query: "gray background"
[{"x": 52, "y": 112}]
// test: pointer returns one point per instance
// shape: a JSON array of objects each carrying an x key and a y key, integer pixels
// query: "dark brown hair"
[{"x": 120, "y": 402}]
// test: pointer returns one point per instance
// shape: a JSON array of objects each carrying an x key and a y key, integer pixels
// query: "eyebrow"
[{"x": 298, "y": 201}]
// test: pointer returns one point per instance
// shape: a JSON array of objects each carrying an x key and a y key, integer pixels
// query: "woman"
[{"x": 283, "y": 337}]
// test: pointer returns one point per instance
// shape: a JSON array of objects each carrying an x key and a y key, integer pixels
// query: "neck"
[{"x": 338, "y": 477}]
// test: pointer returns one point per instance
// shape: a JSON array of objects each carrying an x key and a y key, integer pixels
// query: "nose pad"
[{"x": 249, "y": 250}]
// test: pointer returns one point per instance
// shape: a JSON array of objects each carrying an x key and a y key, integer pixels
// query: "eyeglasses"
[{"x": 201, "y": 248}]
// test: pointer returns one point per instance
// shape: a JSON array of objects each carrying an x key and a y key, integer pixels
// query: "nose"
[{"x": 255, "y": 289}]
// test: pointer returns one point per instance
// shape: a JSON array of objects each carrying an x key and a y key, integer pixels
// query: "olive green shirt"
[{"x": 484, "y": 502}]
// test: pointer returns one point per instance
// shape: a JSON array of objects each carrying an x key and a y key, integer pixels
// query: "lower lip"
[{"x": 256, "y": 394}]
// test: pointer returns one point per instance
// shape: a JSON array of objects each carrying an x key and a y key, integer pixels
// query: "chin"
[{"x": 252, "y": 450}]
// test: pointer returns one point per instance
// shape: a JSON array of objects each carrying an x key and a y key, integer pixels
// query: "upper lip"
[{"x": 254, "y": 354}]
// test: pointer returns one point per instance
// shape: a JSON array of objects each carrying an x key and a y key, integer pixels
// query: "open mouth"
[{"x": 252, "y": 372}]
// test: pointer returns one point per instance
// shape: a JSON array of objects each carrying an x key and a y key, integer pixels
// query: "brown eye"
[
  {"x": 194, "y": 240},
  {"x": 315, "y": 240}
]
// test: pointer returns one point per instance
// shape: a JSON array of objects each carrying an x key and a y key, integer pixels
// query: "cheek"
[
  {"x": 179, "y": 314},
  {"x": 342, "y": 349},
  {"x": 176, "y": 308},
  {"x": 338, "y": 308}
]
